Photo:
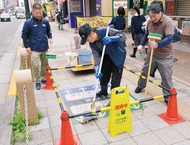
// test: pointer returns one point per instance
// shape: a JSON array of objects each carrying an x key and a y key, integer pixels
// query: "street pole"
[{"x": 27, "y": 10}]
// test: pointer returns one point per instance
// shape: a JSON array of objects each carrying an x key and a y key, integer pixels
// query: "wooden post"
[
  {"x": 25, "y": 59},
  {"x": 24, "y": 78}
]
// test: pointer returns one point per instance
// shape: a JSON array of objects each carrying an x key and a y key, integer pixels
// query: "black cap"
[{"x": 84, "y": 31}]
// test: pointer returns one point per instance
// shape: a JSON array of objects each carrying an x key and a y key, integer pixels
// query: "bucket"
[{"x": 85, "y": 56}]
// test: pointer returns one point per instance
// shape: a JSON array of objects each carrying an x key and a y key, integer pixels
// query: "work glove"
[
  {"x": 109, "y": 39},
  {"x": 97, "y": 74}
]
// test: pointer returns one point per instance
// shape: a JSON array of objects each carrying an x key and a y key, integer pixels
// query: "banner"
[{"x": 93, "y": 21}]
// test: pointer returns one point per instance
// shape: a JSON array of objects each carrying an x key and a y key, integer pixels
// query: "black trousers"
[{"x": 109, "y": 70}]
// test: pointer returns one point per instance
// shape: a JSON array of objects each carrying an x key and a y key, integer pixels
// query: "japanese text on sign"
[
  {"x": 120, "y": 120},
  {"x": 121, "y": 106},
  {"x": 120, "y": 3},
  {"x": 93, "y": 21}
]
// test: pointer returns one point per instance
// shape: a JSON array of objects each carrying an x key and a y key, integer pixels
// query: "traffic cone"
[
  {"x": 171, "y": 116},
  {"x": 67, "y": 137},
  {"x": 48, "y": 85}
]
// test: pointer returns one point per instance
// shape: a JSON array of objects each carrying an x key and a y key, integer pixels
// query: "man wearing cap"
[{"x": 114, "y": 56}]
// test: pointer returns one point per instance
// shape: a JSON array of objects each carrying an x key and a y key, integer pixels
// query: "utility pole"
[{"x": 27, "y": 10}]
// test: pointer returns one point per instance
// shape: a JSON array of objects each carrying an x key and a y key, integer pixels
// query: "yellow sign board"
[
  {"x": 93, "y": 21},
  {"x": 120, "y": 113}
]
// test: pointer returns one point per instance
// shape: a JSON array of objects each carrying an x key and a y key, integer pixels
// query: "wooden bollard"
[
  {"x": 24, "y": 80},
  {"x": 25, "y": 59}
]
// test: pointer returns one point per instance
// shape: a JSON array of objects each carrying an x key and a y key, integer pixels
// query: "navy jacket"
[
  {"x": 35, "y": 34},
  {"x": 136, "y": 24},
  {"x": 119, "y": 22},
  {"x": 115, "y": 50}
]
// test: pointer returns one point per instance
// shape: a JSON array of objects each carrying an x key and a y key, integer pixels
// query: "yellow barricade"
[{"x": 120, "y": 113}]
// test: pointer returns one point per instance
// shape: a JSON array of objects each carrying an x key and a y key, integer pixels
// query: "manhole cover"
[{"x": 175, "y": 60}]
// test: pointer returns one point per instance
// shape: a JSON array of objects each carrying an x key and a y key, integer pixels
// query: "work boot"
[
  {"x": 134, "y": 53},
  {"x": 38, "y": 86},
  {"x": 138, "y": 90},
  {"x": 102, "y": 94}
]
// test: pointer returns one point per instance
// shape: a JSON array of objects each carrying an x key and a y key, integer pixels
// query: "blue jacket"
[
  {"x": 115, "y": 50},
  {"x": 136, "y": 24},
  {"x": 35, "y": 34},
  {"x": 118, "y": 22}
]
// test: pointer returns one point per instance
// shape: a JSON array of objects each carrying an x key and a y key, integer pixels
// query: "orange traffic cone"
[
  {"x": 67, "y": 137},
  {"x": 171, "y": 116},
  {"x": 48, "y": 85}
]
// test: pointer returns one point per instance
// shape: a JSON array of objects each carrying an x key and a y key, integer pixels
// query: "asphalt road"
[{"x": 7, "y": 32}]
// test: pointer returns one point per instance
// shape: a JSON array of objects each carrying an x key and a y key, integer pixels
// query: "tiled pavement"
[{"x": 148, "y": 129}]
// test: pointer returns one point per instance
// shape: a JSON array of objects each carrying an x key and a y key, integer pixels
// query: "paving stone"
[
  {"x": 44, "y": 124},
  {"x": 134, "y": 117},
  {"x": 43, "y": 111},
  {"x": 147, "y": 139},
  {"x": 169, "y": 135},
  {"x": 146, "y": 113},
  {"x": 41, "y": 136},
  {"x": 185, "y": 142},
  {"x": 3, "y": 92},
  {"x": 118, "y": 137},
  {"x": 183, "y": 128},
  {"x": 39, "y": 97},
  {"x": 93, "y": 138},
  {"x": 158, "y": 108},
  {"x": 55, "y": 110},
  {"x": 138, "y": 128},
  {"x": 54, "y": 120},
  {"x": 48, "y": 143},
  {"x": 56, "y": 132},
  {"x": 88, "y": 127},
  {"x": 102, "y": 122},
  {"x": 154, "y": 122},
  {"x": 40, "y": 104},
  {"x": 127, "y": 141},
  {"x": 51, "y": 102},
  {"x": 5, "y": 135},
  {"x": 50, "y": 95}
]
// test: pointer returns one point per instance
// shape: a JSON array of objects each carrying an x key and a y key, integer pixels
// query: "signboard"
[
  {"x": 120, "y": 112},
  {"x": 117, "y": 4},
  {"x": 93, "y": 21},
  {"x": 78, "y": 100},
  {"x": 186, "y": 28}
]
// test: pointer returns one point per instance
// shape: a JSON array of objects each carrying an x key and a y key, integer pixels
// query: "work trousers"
[
  {"x": 109, "y": 70},
  {"x": 164, "y": 65},
  {"x": 39, "y": 63}
]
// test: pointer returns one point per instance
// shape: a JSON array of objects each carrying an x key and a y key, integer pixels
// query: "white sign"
[{"x": 117, "y": 4}]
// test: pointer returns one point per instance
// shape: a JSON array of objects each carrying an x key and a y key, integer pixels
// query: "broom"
[
  {"x": 89, "y": 117},
  {"x": 101, "y": 61},
  {"x": 151, "y": 36},
  {"x": 50, "y": 56}
]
